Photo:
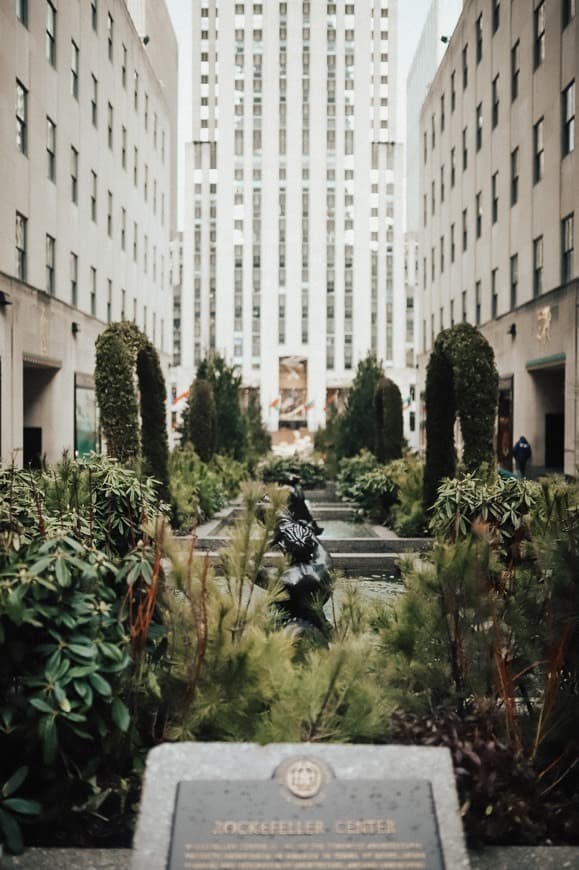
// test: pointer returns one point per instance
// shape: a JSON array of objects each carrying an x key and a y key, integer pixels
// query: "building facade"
[
  {"x": 499, "y": 195},
  {"x": 293, "y": 247},
  {"x": 87, "y": 197}
]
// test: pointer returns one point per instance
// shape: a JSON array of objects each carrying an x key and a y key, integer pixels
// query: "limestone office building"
[
  {"x": 499, "y": 199},
  {"x": 293, "y": 242},
  {"x": 88, "y": 115}
]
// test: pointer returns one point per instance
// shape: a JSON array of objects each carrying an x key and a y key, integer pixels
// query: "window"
[
  {"x": 538, "y": 151},
  {"x": 425, "y": 149},
  {"x": 477, "y": 304},
  {"x": 496, "y": 15},
  {"x": 514, "y": 176},
  {"x": 94, "y": 14},
  {"x": 93, "y": 290},
  {"x": 110, "y": 118},
  {"x": 464, "y": 150},
  {"x": 50, "y": 260},
  {"x": 93, "y": 195},
  {"x": 515, "y": 69},
  {"x": 109, "y": 214},
  {"x": 73, "y": 279},
  {"x": 453, "y": 91},
  {"x": 136, "y": 90},
  {"x": 479, "y": 214},
  {"x": 433, "y": 197},
  {"x": 568, "y": 12},
  {"x": 539, "y": 34},
  {"x": 514, "y": 279},
  {"x": 479, "y": 127},
  {"x": 464, "y": 230},
  {"x": 110, "y": 34},
  {"x": 146, "y": 111},
  {"x": 135, "y": 165},
  {"x": 22, "y": 11},
  {"x": 538, "y": 266},
  {"x": 51, "y": 149},
  {"x": 441, "y": 254},
  {"x": 452, "y": 244},
  {"x": 442, "y": 184},
  {"x": 73, "y": 174},
  {"x": 124, "y": 147},
  {"x": 109, "y": 300},
  {"x": 50, "y": 33},
  {"x": 123, "y": 228},
  {"x": 452, "y": 167},
  {"x": 21, "y": 232},
  {"x": 21, "y": 118},
  {"x": 94, "y": 100},
  {"x": 567, "y": 246},
  {"x": 568, "y": 118},
  {"x": 124, "y": 67},
  {"x": 442, "y": 118},
  {"x": 74, "y": 70},
  {"x": 479, "y": 38},
  {"x": 465, "y": 67},
  {"x": 494, "y": 293},
  {"x": 495, "y": 101},
  {"x": 495, "y": 192},
  {"x": 433, "y": 131},
  {"x": 425, "y": 210}
]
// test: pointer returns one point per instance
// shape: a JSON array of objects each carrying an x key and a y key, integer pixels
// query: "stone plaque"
[
  {"x": 303, "y": 820},
  {"x": 298, "y": 807}
]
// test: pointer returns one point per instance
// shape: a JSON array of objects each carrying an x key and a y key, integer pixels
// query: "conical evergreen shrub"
[
  {"x": 200, "y": 419},
  {"x": 389, "y": 423},
  {"x": 154, "y": 437}
]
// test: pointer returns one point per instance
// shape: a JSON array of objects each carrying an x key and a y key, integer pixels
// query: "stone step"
[
  {"x": 367, "y": 544},
  {"x": 353, "y": 564}
]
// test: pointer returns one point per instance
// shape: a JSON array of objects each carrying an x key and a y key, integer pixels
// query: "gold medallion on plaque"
[{"x": 304, "y": 777}]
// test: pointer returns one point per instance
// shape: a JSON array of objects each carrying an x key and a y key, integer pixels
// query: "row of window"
[
  {"x": 51, "y": 47},
  {"x": 568, "y": 141},
  {"x": 567, "y": 256},
  {"x": 51, "y": 140},
  {"x": 568, "y": 8},
  {"x": 21, "y": 235},
  {"x": 567, "y": 128}
]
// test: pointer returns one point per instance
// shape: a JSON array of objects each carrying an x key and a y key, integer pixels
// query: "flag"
[{"x": 275, "y": 403}]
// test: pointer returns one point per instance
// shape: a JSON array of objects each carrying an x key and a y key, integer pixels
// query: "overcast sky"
[{"x": 411, "y": 15}]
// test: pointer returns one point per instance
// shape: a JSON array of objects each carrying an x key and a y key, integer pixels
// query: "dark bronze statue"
[{"x": 307, "y": 581}]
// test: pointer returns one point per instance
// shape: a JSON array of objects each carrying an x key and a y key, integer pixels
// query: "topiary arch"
[
  {"x": 461, "y": 378},
  {"x": 121, "y": 350}
]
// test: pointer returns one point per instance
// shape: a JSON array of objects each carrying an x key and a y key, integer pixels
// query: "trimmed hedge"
[{"x": 389, "y": 423}]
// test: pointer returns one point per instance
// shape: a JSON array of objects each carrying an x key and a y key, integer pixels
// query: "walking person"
[{"x": 522, "y": 453}]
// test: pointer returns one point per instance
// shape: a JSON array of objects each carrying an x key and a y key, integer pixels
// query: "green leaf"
[
  {"x": 12, "y": 833},
  {"x": 41, "y": 705},
  {"x": 22, "y": 806},
  {"x": 47, "y": 732},
  {"x": 100, "y": 685},
  {"x": 62, "y": 573},
  {"x": 85, "y": 651},
  {"x": 120, "y": 714},
  {"x": 13, "y": 784}
]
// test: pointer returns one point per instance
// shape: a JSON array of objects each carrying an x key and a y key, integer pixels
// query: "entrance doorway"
[
  {"x": 549, "y": 423},
  {"x": 554, "y": 441}
]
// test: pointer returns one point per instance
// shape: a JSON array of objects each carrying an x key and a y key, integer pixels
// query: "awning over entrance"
[{"x": 547, "y": 362}]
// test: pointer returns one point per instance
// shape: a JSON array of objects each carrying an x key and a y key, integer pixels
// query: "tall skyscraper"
[{"x": 293, "y": 243}]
